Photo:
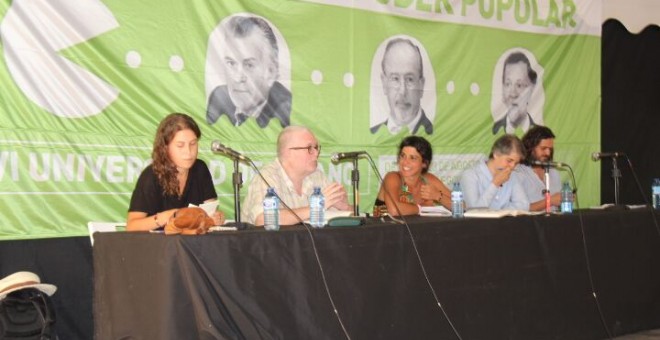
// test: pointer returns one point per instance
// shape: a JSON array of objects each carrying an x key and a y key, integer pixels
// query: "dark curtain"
[
  {"x": 631, "y": 110},
  {"x": 65, "y": 262}
]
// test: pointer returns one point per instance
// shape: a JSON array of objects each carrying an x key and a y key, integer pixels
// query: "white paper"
[
  {"x": 208, "y": 207},
  {"x": 436, "y": 210},
  {"x": 495, "y": 213}
]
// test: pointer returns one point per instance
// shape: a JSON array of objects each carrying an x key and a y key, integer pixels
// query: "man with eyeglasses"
[
  {"x": 294, "y": 174},
  {"x": 518, "y": 82},
  {"x": 403, "y": 84}
]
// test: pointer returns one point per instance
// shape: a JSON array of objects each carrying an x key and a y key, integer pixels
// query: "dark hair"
[
  {"x": 515, "y": 58},
  {"x": 532, "y": 138},
  {"x": 163, "y": 166},
  {"x": 507, "y": 144},
  {"x": 422, "y": 146},
  {"x": 241, "y": 26},
  {"x": 396, "y": 41}
]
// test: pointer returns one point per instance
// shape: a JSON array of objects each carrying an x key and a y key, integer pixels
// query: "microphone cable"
[
  {"x": 380, "y": 181},
  {"x": 586, "y": 255},
  {"x": 316, "y": 253},
  {"x": 414, "y": 244}
]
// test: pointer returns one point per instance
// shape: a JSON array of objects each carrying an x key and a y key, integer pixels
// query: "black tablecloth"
[{"x": 508, "y": 278}]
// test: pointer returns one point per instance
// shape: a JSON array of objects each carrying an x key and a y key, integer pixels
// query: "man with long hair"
[{"x": 539, "y": 143}]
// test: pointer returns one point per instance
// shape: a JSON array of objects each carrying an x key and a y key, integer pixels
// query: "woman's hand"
[
  {"x": 430, "y": 193},
  {"x": 501, "y": 176},
  {"x": 218, "y": 218}
]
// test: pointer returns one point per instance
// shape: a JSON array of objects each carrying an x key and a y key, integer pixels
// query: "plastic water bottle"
[
  {"x": 655, "y": 189},
  {"x": 566, "y": 199},
  {"x": 457, "y": 201},
  {"x": 316, "y": 208},
  {"x": 271, "y": 210}
]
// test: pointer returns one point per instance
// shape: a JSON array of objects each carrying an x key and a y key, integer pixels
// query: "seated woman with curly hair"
[{"x": 174, "y": 179}]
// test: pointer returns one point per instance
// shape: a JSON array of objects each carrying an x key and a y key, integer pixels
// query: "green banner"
[{"x": 85, "y": 84}]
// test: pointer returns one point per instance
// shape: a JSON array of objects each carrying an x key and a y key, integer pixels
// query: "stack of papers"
[
  {"x": 493, "y": 213},
  {"x": 222, "y": 228},
  {"x": 608, "y": 206},
  {"x": 437, "y": 210}
]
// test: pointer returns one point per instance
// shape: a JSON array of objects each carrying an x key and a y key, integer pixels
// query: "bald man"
[{"x": 294, "y": 174}]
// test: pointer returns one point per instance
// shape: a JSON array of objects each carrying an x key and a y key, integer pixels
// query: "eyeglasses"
[
  {"x": 394, "y": 80},
  {"x": 308, "y": 148}
]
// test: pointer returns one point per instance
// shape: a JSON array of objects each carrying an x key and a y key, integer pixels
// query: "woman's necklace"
[
  {"x": 407, "y": 191},
  {"x": 416, "y": 185}
]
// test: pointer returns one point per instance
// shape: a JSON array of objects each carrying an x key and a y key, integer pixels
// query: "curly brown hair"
[
  {"x": 163, "y": 166},
  {"x": 533, "y": 138}
]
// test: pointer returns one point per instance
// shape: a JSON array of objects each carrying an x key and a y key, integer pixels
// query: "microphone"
[
  {"x": 548, "y": 164},
  {"x": 596, "y": 156},
  {"x": 336, "y": 157},
  {"x": 218, "y": 147}
]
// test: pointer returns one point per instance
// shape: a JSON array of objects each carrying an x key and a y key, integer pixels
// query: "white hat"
[{"x": 22, "y": 280}]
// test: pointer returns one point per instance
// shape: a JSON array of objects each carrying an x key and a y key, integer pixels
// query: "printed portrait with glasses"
[{"x": 403, "y": 96}]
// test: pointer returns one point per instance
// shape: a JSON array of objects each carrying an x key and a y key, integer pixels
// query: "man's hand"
[
  {"x": 555, "y": 199},
  {"x": 335, "y": 196}
]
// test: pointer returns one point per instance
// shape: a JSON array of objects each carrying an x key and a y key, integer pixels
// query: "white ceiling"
[{"x": 634, "y": 14}]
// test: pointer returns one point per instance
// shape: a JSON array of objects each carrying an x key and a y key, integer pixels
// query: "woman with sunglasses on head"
[
  {"x": 175, "y": 178},
  {"x": 404, "y": 191}
]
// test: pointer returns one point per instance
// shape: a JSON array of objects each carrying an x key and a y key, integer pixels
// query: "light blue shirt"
[
  {"x": 534, "y": 186},
  {"x": 480, "y": 192}
]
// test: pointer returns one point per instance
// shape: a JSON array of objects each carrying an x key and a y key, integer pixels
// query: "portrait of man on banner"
[
  {"x": 403, "y": 96},
  {"x": 248, "y": 72},
  {"x": 518, "y": 96}
]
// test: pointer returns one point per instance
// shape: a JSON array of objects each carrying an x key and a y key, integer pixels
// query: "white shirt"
[
  {"x": 276, "y": 176},
  {"x": 480, "y": 192},
  {"x": 534, "y": 186}
]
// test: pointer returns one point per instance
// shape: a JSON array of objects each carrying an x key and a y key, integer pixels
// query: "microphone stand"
[
  {"x": 616, "y": 175},
  {"x": 237, "y": 181},
  {"x": 355, "y": 179},
  {"x": 546, "y": 190}
]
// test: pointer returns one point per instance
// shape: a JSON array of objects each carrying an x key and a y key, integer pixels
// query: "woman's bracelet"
[{"x": 439, "y": 200}]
